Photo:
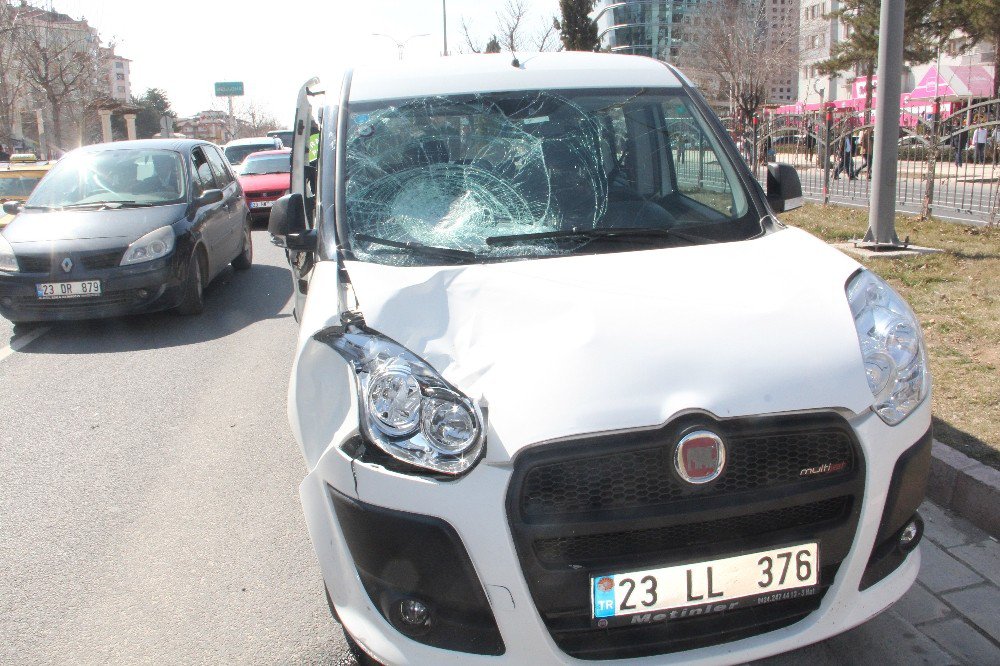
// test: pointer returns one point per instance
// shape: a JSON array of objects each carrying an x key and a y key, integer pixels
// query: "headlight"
[
  {"x": 157, "y": 243},
  {"x": 8, "y": 262},
  {"x": 892, "y": 346},
  {"x": 407, "y": 409}
]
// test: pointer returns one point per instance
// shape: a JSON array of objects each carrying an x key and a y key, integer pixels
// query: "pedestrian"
[
  {"x": 846, "y": 159},
  {"x": 996, "y": 144},
  {"x": 866, "y": 152},
  {"x": 810, "y": 143},
  {"x": 4, "y": 155},
  {"x": 979, "y": 144},
  {"x": 958, "y": 143},
  {"x": 681, "y": 149}
]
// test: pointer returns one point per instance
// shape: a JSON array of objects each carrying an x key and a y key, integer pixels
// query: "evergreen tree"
[
  {"x": 577, "y": 30},
  {"x": 492, "y": 46},
  {"x": 153, "y": 106}
]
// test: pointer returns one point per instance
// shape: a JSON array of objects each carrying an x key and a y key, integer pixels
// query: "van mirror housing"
[
  {"x": 12, "y": 207},
  {"x": 784, "y": 189},
  {"x": 287, "y": 224}
]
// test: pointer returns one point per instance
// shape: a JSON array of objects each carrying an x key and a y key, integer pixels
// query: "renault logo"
[
  {"x": 700, "y": 457},
  {"x": 67, "y": 265}
]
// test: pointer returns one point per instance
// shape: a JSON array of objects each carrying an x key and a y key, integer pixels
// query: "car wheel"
[
  {"x": 244, "y": 260},
  {"x": 193, "y": 301}
]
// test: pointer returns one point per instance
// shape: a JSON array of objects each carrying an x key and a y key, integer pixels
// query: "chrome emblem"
[
  {"x": 67, "y": 265},
  {"x": 700, "y": 457}
]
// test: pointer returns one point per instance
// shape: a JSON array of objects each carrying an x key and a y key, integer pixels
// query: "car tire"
[
  {"x": 193, "y": 298},
  {"x": 244, "y": 260}
]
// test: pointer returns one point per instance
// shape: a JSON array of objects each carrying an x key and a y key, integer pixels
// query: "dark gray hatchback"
[{"x": 121, "y": 228}]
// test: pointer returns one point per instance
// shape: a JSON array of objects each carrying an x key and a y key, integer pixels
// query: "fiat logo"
[{"x": 700, "y": 457}]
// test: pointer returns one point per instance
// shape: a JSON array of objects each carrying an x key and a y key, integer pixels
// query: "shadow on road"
[{"x": 233, "y": 301}]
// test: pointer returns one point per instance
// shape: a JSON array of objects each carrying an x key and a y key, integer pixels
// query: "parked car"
[
  {"x": 18, "y": 178},
  {"x": 285, "y": 136},
  {"x": 121, "y": 228},
  {"x": 559, "y": 400},
  {"x": 265, "y": 177},
  {"x": 238, "y": 149}
]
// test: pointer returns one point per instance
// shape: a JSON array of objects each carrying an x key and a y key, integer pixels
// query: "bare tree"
[
  {"x": 515, "y": 31},
  {"x": 63, "y": 63},
  {"x": 738, "y": 46},
  {"x": 253, "y": 120},
  {"x": 12, "y": 79}
]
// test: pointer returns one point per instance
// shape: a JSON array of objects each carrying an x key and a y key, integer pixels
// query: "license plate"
[
  {"x": 261, "y": 204},
  {"x": 52, "y": 290},
  {"x": 701, "y": 588}
]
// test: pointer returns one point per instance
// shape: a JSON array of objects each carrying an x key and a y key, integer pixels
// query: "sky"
[{"x": 189, "y": 44}]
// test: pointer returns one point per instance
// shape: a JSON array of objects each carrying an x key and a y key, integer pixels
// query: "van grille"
[{"x": 614, "y": 503}]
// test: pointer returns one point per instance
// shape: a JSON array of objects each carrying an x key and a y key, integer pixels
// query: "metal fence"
[{"x": 944, "y": 169}]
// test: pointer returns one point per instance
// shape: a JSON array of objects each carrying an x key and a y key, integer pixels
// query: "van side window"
[
  {"x": 219, "y": 168},
  {"x": 202, "y": 179}
]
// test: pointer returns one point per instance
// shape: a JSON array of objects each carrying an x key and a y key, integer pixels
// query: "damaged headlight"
[
  {"x": 407, "y": 409},
  {"x": 892, "y": 346}
]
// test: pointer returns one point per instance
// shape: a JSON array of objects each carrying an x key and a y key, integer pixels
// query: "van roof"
[
  {"x": 252, "y": 141},
  {"x": 474, "y": 73}
]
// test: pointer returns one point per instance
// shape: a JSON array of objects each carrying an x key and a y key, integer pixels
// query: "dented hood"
[{"x": 582, "y": 344}]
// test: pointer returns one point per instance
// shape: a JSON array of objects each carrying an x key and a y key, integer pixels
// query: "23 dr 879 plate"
[{"x": 670, "y": 593}]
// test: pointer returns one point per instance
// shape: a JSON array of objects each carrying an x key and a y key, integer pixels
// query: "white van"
[{"x": 563, "y": 396}]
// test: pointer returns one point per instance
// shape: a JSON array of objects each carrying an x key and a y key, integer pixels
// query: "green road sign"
[{"x": 229, "y": 89}]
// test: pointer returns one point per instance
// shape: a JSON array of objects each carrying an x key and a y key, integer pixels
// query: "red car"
[{"x": 266, "y": 176}]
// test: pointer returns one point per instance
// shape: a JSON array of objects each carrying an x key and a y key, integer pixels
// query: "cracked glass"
[{"x": 501, "y": 176}]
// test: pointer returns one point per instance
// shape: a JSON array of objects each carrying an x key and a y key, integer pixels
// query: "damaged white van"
[{"x": 568, "y": 391}]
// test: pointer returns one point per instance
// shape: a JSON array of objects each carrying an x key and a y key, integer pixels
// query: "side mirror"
[
  {"x": 209, "y": 197},
  {"x": 784, "y": 190},
  {"x": 287, "y": 224},
  {"x": 12, "y": 207}
]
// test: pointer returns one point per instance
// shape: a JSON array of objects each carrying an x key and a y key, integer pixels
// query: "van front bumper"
[{"x": 872, "y": 574}]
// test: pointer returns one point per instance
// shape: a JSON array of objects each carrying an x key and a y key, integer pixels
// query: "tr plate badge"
[{"x": 700, "y": 457}]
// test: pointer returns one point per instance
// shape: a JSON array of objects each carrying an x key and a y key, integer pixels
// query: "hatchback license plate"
[
  {"x": 670, "y": 593},
  {"x": 53, "y": 290},
  {"x": 261, "y": 204}
]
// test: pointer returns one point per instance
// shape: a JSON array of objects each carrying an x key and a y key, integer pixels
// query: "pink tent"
[{"x": 954, "y": 83}]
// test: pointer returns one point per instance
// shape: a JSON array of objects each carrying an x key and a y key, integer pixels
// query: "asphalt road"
[{"x": 149, "y": 503}]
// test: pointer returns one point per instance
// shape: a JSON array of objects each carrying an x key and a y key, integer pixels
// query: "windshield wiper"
[
  {"x": 108, "y": 204},
  {"x": 420, "y": 248},
  {"x": 589, "y": 235}
]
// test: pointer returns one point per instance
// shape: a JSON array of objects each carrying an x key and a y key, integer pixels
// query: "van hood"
[
  {"x": 111, "y": 228},
  {"x": 584, "y": 344}
]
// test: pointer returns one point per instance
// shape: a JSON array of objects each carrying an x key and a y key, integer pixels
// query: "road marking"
[{"x": 22, "y": 341}]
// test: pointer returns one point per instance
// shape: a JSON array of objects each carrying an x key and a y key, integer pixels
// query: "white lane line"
[{"x": 20, "y": 342}]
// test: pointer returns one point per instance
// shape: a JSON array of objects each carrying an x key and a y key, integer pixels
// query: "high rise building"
[{"x": 668, "y": 29}]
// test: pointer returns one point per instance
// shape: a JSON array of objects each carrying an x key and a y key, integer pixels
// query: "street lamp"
[{"x": 401, "y": 45}]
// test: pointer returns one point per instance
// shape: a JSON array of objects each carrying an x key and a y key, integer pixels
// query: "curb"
[{"x": 966, "y": 486}]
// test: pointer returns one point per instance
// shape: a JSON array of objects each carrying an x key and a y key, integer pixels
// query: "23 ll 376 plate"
[{"x": 699, "y": 588}]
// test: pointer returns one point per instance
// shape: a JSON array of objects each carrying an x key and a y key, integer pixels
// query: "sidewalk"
[{"x": 951, "y": 615}]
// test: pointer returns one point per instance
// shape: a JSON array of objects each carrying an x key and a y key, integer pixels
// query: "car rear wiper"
[
  {"x": 624, "y": 233},
  {"x": 420, "y": 248}
]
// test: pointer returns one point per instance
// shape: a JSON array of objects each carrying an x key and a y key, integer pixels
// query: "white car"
[
  {"x": 237, "y": 150},
  {"x": 562, "y": 398}
]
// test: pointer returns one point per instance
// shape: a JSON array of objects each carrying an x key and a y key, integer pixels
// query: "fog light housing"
[
  {"x": 910, "y": 536},
  {"x": 414, "y": 613}
]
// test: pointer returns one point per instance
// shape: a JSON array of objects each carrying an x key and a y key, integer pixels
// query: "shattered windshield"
[{"x": 508, "y": 175}]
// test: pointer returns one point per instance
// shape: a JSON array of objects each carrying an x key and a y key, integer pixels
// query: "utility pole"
[
  {"x": 881, "y": 233},
  {"x": 444, "y": 24}
]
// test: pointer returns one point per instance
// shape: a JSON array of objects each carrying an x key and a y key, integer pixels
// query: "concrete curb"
[{"x": 966, "y": 486}]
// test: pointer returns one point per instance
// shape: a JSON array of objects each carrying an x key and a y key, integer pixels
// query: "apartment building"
[{"x": 961, "y": 70}]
